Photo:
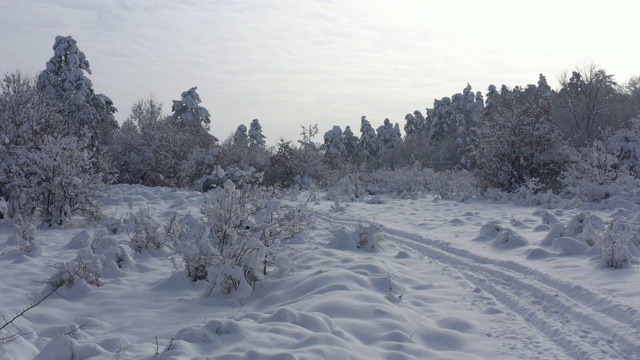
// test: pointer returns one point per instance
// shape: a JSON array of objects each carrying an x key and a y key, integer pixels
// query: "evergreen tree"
[
  {"x": 449, "y": 128},
  {"x": 256, "y": 138},
  {"x": 335, "y": 149},
  {"x": 86, "y": 113},
  {"x": 369, "y": 146},
  {"x": 240, "y": 137},
  {"x": 351, "y": 144},
  {"x": 188, "y": 112}
]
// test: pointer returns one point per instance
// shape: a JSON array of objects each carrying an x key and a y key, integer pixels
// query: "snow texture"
[{"x": 427, "y": 291}]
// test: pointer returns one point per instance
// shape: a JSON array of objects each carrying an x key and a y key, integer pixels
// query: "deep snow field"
[{"x": 446, "y": 280}]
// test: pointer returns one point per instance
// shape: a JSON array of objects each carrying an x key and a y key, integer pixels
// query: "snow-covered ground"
[{"x": 445, "y": 280}]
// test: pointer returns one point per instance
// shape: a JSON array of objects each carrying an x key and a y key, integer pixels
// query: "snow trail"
[{"x": 586, "y": 325}]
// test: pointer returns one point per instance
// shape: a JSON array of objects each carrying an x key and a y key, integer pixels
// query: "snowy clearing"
[{"x": 389, "y": 279}]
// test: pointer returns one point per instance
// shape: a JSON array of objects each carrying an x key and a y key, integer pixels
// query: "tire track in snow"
[{"x": 585, "y": 324}]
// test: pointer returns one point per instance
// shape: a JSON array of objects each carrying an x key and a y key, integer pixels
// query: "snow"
[{"x": 436, "y": 280}]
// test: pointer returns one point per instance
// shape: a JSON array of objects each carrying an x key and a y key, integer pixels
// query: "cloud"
[{"x": 292, "y": 63}]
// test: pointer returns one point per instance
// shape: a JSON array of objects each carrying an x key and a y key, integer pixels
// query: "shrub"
[
  {"x": 86, "y": 268},
  {"x": 57, "y": 181},
  {"x": 245, "y": 226},
  {"x": 598, "y": 173},
  {"x": 614, "y": 243},
  {"x": 25, "y": 236},
  {"x": 145, "y": 232}
]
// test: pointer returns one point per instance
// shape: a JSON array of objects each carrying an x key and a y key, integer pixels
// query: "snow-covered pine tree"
[
  {"x": 188, "y": 112},
  {"x": 86, "y": 113},
  {"x": 256, "y": 138},
  {"x": 335, "y": 149},
  {"x": 240, "y": 137},
  {"x": 369, "y": 145},
  {"x": 449, "y": 128},
  {"x": 390, "y": 141},
  {"x": 351, "y": 145},
  {"x": 235, "y": 149},
  {"x": 258, "y": 154},
  {"x": 193, "y": 148}
]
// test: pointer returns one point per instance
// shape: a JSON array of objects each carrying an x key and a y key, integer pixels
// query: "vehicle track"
[{"x": 585, "y": 324}]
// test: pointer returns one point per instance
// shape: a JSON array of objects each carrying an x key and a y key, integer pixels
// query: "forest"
[{"x": 60, "y": 142}]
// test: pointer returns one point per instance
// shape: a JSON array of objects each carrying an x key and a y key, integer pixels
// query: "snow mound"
[
  {"x": 362, "y": 238},
  {"x": 81, "y": 240},
  {"x": 375, "y": 200},
  {"x": 538, "y": 254},
  {"x": 489, "y": 232},
  {"x": 509, "y": 239},
  {"x": 557, "y": 230},
  {"x": 547, "y": 217},
  {"x": 65, "y": 347},
  {"x": 569, "y": 246},
  {"x": 585, "y": 226}
]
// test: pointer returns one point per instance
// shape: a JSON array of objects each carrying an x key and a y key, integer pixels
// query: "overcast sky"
[{"x": 299, "y": 62}]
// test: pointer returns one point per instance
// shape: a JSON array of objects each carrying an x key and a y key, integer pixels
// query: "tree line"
[{"x": 60, "y": 143}]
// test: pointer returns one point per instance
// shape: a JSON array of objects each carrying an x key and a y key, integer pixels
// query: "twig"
[{"x": 28, "y": 308}]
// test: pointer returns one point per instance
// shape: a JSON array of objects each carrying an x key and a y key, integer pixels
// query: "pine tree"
[
  {"x": 256, "y": 138},
  {"x": 188, "y": 112},
  {"x": 86, "y": 113},
  {"x": 335, "y": 149},
  {"x": 351, "y": 144},
  {"x": 369, "y": 145}
]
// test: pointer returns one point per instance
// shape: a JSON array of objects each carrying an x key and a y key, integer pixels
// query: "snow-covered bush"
[
  {"x": 57, "y": 181},
  {"x": 86, "y": 268},
  {"x": 508, "y": 239},
  {"x": 364, "y": 237},
  {"x": 198, "y": 165},
  {"x": 4, "y": 208},
  {"x": 369, "y": 237},
  {"x": 597, "y": 173},
  {"x": 453, "y": 184},
  {"x": 405, "y": 182},
  {"x": 625, "y": 143},
  {"x": 114, "y": 225},
  {"x": 191, "y": 242},
  {"x": 586, "y": 227},
  {"x": 520, "y": 142},
  {"x": 245, "y": 227},
  {"x": 410, "y": 182},
  {"x": 146, "y": 233},
  {"x": 25, "y": 236},
  {"x": 240, "y": 177},
  {"x": 116, "y": 255},
  {"x": 529, "y": 193},
  {"x": 301, "y": 166},
  {"x": 614, "y": 243},
  {"x": 348, "y": 187},
  {"x": 229, "y": 217}
]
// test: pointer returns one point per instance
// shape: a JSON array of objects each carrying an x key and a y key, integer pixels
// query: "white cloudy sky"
[{"x": 299, "y": 62}]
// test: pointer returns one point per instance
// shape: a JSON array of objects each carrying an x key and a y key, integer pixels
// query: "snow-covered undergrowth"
[{"x": 418, "y": 278}]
